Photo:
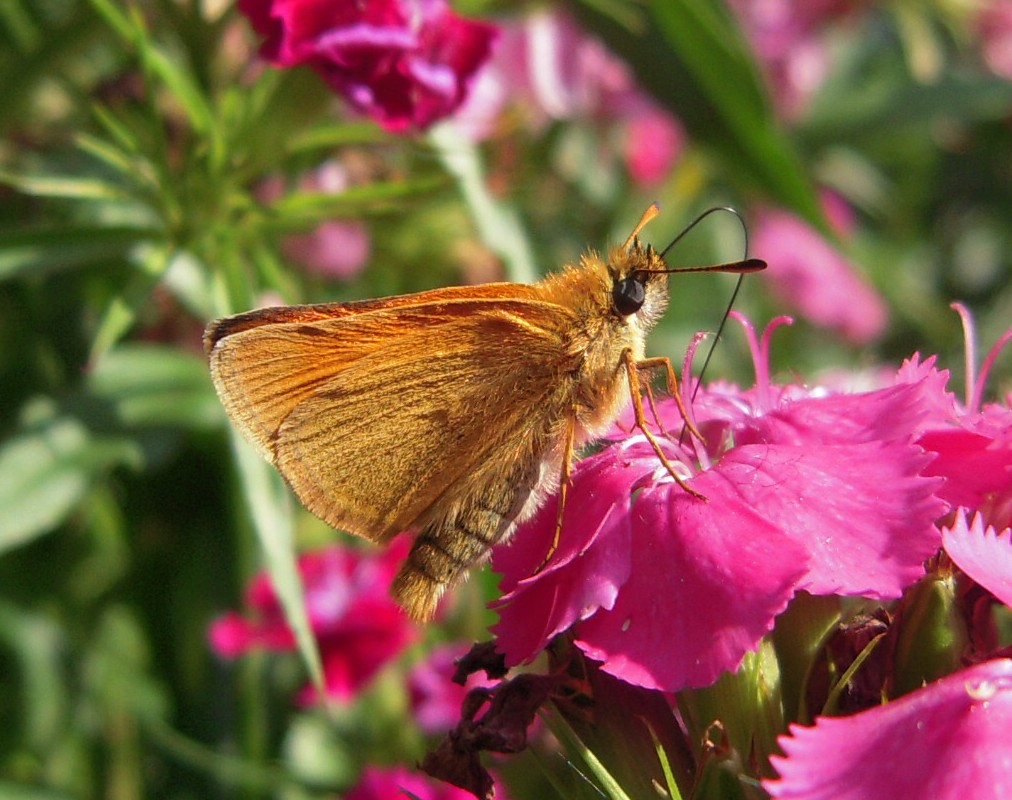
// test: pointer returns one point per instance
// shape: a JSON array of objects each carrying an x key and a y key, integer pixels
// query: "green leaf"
[
  {"x": 669, "y": 777},
  {"x": 576, "y": 748},
  {"x": 173, "y": 77},
  {"x": 121, "y": 312},
  {"x": 271, "y": 510},
  {"x": 297, "y": 211},
  {"x": 692, "y": 58},
  {"x": 39, "y": 647},
  {"x": 48, "y": 467},
  {"x": 151, "y": 385},
  {"x": 16, "y": 791},
  {"x": 63, "y": 187},
  {"x": 327, "y": 137},
  {"x": 46, "y": 249}
]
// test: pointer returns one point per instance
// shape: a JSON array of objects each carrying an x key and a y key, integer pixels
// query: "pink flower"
[
  {"x": 972, "y": 440},
  {"x": 947, "y": 741},
  {"x": 787, "y": 38},
  {"x": 563, "y": 74},
  {"x": 334, "y": 249},
  {"x": 358, "y": 626},
  {"x": 405, "y": 63},
  {"x": 805, "y": 490},
  {"x": 982, "y": 554},
  {"x": 994, "y": 26},
  {"x": 435, "y": 698},
  {"x": 388, "y": 783},
  {"x": 654, "y": 139},
  {"x": 807, "y": 273}
]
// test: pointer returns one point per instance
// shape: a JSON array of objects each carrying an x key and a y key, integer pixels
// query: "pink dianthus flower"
[
  {"x": 406, "y": 64},
  {"x": 806, "y": 490},
  {"x": 358, "y": 627}
]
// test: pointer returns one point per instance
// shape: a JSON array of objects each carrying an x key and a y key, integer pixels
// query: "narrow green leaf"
[
  {"x": 575, "y": 746},
  {"x": 830, "y": 707},
  {"x": 691, "y": 56},
  {"x": 296, "y": 211},
  {"x": 119, "y": 316},
  {"x": 171, "y": 73},
  {"x": 669, "y": 777},
  {"x": 331, "y": 135},
  {"x": 151, "y": 385},
  {"x": 63, "y": 186},
  {"x": 47, "y": 469},
  {"x": 36, "y": 642},
  {"x": 38, "y": 250},
  {"x": 271, "y": 510}
]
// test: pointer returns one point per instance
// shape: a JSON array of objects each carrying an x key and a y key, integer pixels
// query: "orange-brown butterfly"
[{"x": 454, "y": 412}]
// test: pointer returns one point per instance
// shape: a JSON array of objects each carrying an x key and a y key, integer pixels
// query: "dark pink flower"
[
  {"x": 406, "y": 63},
  {"x": 809, "y": 274},
  {"x": 982, "y": 554},
  {"x": 805, "y": 490},
  {"x": 389, "y": 783},
  {"x": 947, "y": 741},
  {"x": 434, "y": 696},
  {"x": 972, "y": 440},
  {"x": 358, "y": 626}
]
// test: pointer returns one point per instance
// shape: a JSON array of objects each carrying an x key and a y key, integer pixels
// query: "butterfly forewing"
[{"x": 373, "y": 416}]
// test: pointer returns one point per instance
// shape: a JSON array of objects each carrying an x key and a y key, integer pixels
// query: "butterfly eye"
[{"x": 628, "y": 296}]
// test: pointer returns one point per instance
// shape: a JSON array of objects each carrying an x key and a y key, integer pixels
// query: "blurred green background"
[{"x": 154, "y": 175}]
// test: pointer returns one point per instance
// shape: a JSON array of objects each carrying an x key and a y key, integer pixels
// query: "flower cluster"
[
  {"x": 809, "y": 492},
  {"x": 406, "y": 64},
  {"x": 358, "y": 627},
  {"x": 805, "y": 490}
]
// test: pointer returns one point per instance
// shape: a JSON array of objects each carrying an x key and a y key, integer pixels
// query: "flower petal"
[
  {"x": 947, "y": 741},
  {"x": 587, "y": 569},
  {"x": 982, "y": 554},
  {"x": 863, "y": 512},
  {"x": 707, "y": 580}
]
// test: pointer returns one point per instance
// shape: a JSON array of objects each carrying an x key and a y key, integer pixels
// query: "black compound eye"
[{"x": 628, "y": 296}]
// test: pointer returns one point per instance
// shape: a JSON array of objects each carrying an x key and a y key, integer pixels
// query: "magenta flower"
[
  {"x": 808, "y": 274},
  {"x": 435, "y": 698},
  {"x": 405, "y": 63},
  {"x": 387, "y": 783},
  {"x": 359, "y": 628},
  {"x": 948, "y": 741},
  {"x": 982, "y": 554},
  {"x": 972, "y": 440},
  {"x": 805, "y": 491}
]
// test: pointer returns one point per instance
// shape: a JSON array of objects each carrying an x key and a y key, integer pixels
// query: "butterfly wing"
[{"x": 372, "y": 414}]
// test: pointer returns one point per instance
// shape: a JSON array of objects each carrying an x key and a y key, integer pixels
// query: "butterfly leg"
[
  {"x": 564, "y": 475},
  {"x": 661, "y": 362},
  {"x": 641, "y": 418}
]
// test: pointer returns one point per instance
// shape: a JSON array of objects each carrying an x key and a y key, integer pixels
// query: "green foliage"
[{"x": 150, "y": 173}]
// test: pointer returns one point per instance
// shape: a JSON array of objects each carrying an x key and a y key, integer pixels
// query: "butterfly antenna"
[{"x": 731, "y": 302}]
